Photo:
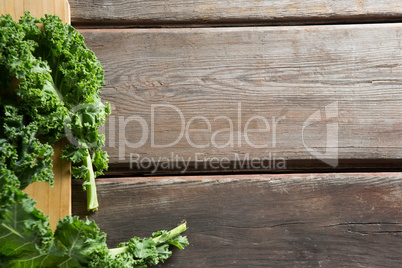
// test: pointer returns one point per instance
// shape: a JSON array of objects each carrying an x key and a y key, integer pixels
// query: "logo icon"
[{"x": 330, "y": 156}]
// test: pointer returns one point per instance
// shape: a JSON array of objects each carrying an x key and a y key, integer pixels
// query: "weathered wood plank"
[
  {"x": 295, "y": 220},
  {"x": 226, "y": 11},
  {"x": 314, "y": 92}
]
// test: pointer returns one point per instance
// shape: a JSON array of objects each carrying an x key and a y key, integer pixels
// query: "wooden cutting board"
[
  {"x": 53, "y": 201},
  {"x": 37, "y": 8}
]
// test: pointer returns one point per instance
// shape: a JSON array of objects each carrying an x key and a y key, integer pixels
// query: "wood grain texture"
[
  {"x": 53, "y": 201},
  {"x": 139, "y": 12},
  {"x": 295, "y": 220},
  {"x": 217, "y": 84}
]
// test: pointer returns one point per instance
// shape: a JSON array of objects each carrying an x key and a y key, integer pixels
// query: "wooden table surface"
[{"x": 321, "y": 80}]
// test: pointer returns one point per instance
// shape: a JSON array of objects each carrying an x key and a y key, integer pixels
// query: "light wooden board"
[
  {"x": 37, "y": 8},
  {"x": 292, "y": 73},
  {"x": 294, "y": 220},
  {"x": 226, "y": 11},
  {"x": 56, "y": 201}
]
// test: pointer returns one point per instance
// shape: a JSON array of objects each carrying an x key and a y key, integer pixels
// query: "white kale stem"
[
  {"x": 158, "y": 240},
  {"x": 92, "y": 197}
]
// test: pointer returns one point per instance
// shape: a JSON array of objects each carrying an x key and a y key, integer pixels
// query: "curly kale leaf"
[
  {"x": 22, "y": 152},
  {"x": 27, "y": 241},
  {"x": 141, "y": 252},
  {"x": 53, "y": 80},
  {"x": 24, "y": 230}
]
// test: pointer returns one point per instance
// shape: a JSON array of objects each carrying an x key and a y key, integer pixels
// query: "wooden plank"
[
  {"x": 53, "y": 201},
  {"x": 294, "y": 220},
  {"x": 226, "y": 11},
  {"x": 315, "y": 92}
]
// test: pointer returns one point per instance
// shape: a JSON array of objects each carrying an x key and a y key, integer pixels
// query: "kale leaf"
[
  {"x": 51, "y": 81},
  {"x": 49, "y": 86}
]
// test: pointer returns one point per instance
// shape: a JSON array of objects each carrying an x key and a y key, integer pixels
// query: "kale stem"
[
  {"x": 172, "y": 234},
  {"x": 115, "y": 251},
  {"x": 158, "y": 240},
  {"x": 92, "y": 198}
]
